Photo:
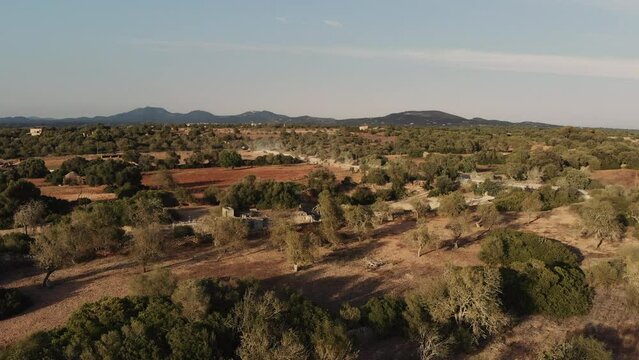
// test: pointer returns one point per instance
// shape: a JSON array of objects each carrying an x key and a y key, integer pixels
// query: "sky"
[{"x": 558, "y": 61}]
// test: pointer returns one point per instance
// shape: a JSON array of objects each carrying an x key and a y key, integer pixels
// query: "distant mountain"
[{"x": 158, "y": 115}]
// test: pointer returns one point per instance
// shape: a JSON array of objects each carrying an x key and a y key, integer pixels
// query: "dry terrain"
[
  {"x": 72, "y": 193},
  {"x": 628, "y": 178},
  {"x": 338, "y": 276}
]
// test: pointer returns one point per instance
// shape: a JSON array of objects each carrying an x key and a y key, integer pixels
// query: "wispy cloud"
[
  {"x": 608, "y": 67},
  {"x": 333, "y": 23},
  {"x": 281, "y": 19}
]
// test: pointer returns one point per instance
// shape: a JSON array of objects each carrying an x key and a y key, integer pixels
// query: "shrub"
[
  {"x": 159, "y": 282},
  {"x": 505, "y": 246},
  {"x": 182, "y": 231},
  {"x": 489, "y": 187},
  {"x": 363, "y": 195},
  {"x": 606, "y": 273},
  {"x": 511, "y": 200},
  {"x": 534, "y": 287},
  {"x": 383, "y": 314},
  {"x": 578, "y": 348},
  {"x": 350, "y": 314},
  {"x": 12, "y": 302},
  {"x": 15, "y": 243}
]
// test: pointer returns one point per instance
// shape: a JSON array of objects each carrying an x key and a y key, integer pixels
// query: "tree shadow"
[{"x": 622, "y": 340}]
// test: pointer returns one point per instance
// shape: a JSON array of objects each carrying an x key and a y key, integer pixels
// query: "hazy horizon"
[{"x": 554, "y": 61}]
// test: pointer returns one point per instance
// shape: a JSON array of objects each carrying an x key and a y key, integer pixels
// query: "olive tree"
[
  {"x": 489, "y": 216},
  {"x": 332, "y": 217},
  {"x": 224, "y": 230},
  {"x": 421, "y": 238},
  {"x": 360, "y": 219},
  {"x": 148, "y": 243},
  {"x": 53, "y": 249},
  {"x": 30, "y": 215},
  {"x": 300, "y": 249},
  {"x": 600, "y": 220}
]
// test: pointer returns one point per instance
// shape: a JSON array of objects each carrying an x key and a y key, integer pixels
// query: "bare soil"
[
  {"x": 341, "y": 275},
  {"x": 628, "y": 178}
]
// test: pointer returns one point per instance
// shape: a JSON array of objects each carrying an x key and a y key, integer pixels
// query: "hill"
[{"x": 162, "y": 116}]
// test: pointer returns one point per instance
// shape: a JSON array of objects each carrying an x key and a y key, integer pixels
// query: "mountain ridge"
[{"x": 160, "y": 115}]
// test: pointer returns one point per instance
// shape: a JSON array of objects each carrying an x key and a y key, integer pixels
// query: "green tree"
[
  {"x": 230, "y": 159},
  {"x": 360, "y": 219},
  {"x": 53, "y": 249},
  {"x": 600, "y": 220},
  {"x": 30, "y": 215},
  {"x": 332, "y": 217},
  {"x": 148, "y": 243},
  {"x": 421, "y": 238}
]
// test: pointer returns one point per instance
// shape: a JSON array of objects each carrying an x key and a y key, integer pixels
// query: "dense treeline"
[{"x": 200, "y": 319}]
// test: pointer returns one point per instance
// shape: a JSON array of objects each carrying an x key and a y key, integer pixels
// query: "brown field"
[
  {"x": 197, "y": 180},
  {"x": 340, "y": 276},
  {"x": 72, "y": 193},
  {"x": 628, "y": 178}
]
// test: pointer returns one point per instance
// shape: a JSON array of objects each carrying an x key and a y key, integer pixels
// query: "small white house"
[
  {"x": 35, "y": 131},
  {"x": 363, "y": 128}
]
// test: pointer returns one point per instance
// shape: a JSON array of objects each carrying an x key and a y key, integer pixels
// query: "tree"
[
  {"x": 578, "y": 348},
  {"x": 489, "y": 216},
  {"x": 421, "y": 209},
  {"x": 165, "y": 180},
  {"x": 320, "y": 180},
  {"x": 432, "y": 345},
  {"x": 225, "y": 230},
  {"x": 30, "y": 215},
  {"x": 148, "y": 243},
  {"x": 453, "y": 204},
  {"x": 159, "y": 282},
  {"x": 381, "y": 211},
  {"x": 332, "y": 217},
  {"x": 360, "y": 219},
  {"x": 53, "y": 249},
  {"x": 421, "y": 238},
  {"x": 532, "y": 204},
  {"x": 299, "y": 249},
  {"x": 230, "y": 159},
  {"x": 458, "y": 225},
  {"x": 32, "y": 168},
  {"x": 469, "y": 296},
  {"x": 600, "y": 220}
]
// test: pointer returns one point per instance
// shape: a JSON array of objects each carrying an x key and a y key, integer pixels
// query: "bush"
[
  {"x": 363, "y": 195},
  {"x": 15, "y": 243},
  {"x": 183, "y": 231},
  {"x": 537, "y": 288},
  {"x": 12, "y": 302},
  {"x": 578, "y": 348},
  {"x": 350, "y": 314},
  {"x": 159, "y": 282},
  {"x": 383, "y": 314},
  {"x": 510, "y": 200},
  {"x": 606, "y": 273},
  {"x": 505, "y": 246},
  {"x": 489, "y": 187}
]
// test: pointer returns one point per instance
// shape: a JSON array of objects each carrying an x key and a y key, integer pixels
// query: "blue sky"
[{"x": 560, "y": 61}]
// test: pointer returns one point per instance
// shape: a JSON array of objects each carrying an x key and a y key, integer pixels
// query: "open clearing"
[
  {"x": 628, "y": 178},
  {"x": 72, "y": 193},
  {"x": 338, "y": 276},
  {"x": 196, "y": 180}
]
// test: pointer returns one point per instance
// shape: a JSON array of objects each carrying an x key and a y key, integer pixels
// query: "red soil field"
[
  {"x": 197, "y": 180},
  {"x": 627, "y": 178},
  {"x": 72, "y": 193}
]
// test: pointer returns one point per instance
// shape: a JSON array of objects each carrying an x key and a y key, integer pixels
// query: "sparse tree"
[
  {"x": 165, "y": 180},
  {"x": 360, "y": 219},
  {"x": 453, "y": 204},
  {"x": 421, "y": 238},
  {"x": 381, "y": 211},
  {"x": 489, "y": 216},
  {"x": 469, "y": 296},
  {"x": 159, "y": 282},
  {"x": 224, "y": 230},
  {"x": 599, "y": 219},
  {"x": 421, "y": 210},
  {"x": 148, "y": 243},
  {"x": 458, "y": 226},
  {"x": 532, "y": 204},
  {"x": 432, "y": 345},
  {"x": 53, "y": 249},
  {"x": 30, "y": 215},
  {"x": 332, "y": 217},
  {"x": 300, "y": 249}
]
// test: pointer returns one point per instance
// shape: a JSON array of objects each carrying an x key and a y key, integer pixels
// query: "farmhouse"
[
  {"x": 257, "y": 222},
  {"x": 35, "y": 131}
]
